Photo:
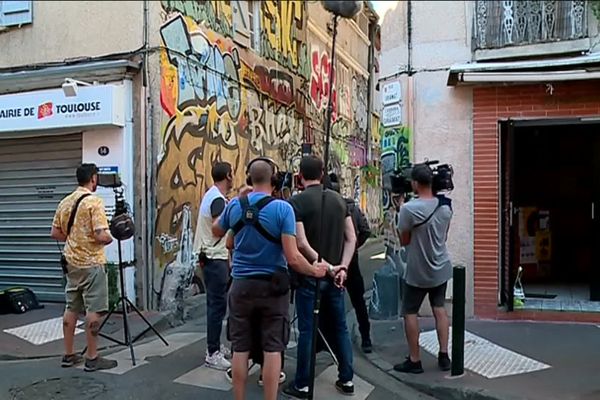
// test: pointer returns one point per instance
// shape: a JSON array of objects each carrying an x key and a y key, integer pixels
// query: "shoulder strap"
[
  {"x": 244, "y": 220},
  {"x": 430, "y": 215},
  {"x": 74, "y": 212}
]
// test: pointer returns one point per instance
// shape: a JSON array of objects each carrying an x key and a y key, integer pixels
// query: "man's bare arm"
[
  {"x": 297, "y": 261},
  {"x": 349, "y": 241},
  {"x": 57, "y": 234},
  {"x": 217, "y": 230},
  {"x": 103, "y": 236}
]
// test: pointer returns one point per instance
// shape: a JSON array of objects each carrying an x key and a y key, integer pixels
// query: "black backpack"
[{"x": 18, "y": 300}]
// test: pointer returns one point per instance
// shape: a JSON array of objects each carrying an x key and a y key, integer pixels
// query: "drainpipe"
[
  {"x": 147, "y": 171},
  {"x": 370, "y": 62},
  {"x": 410, "y": 80}
]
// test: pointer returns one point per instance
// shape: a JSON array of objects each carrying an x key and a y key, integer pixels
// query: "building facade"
[
  {"x": 523, "y": 76},
  {"x": 179, "y": 85}
]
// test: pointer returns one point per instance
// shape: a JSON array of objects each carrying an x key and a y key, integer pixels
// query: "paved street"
[{"x": 176, "y": 371}]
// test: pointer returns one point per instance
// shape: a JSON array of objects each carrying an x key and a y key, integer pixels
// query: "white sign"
[
  {"x": 392, "y": 115},
  {"x": 392, "y": 93},
  {"x": 50, "y": 109}
]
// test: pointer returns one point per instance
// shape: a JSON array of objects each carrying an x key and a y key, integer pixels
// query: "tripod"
[{"x": 121, "y": 208}]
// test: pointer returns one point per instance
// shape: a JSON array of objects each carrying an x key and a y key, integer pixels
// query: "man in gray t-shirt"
[{"x": 423, "y": 226}]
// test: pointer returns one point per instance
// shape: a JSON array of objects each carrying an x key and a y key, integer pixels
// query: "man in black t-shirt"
[{"x": 335, "y": 239}]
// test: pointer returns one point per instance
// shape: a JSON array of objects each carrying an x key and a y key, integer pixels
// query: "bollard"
[{"x": 458, "y": 321}]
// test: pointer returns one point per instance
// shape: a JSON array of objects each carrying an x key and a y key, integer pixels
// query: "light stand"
[
  {"x": 345, "y": 9},
  {"x": 121, "y": 209}
]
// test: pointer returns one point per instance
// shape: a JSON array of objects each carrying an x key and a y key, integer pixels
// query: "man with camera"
[
  {"x": 322, "y": 222},
  {"x": 80, "y": 221},
  {"x": 264, "y": 234},
  {"x": 213, "y": 258},
  {"x": 423, "y": 225}
]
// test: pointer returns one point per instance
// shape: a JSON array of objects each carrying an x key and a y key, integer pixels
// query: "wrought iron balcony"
[{"x": 520, "y": 22}]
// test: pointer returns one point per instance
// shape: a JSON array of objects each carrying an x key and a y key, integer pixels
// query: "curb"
[{"x": 433, "y": 389}]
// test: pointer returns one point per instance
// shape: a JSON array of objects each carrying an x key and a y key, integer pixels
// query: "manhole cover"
[{"x": 80, "y": 388}]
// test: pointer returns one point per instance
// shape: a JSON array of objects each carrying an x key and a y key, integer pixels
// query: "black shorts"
[
  {"x": 412, "y": 297},
  {"x": 251, "y": 303}
]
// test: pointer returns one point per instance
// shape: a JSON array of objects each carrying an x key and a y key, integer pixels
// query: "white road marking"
[
  {"x": 41, "y": 332},
  {"x": 209, "y": 378},
  {"x": 325, "y": 386},
  {"x": 380, "y": 256},
  {"x": 155, "y": 348},
  {"x": 484, "y": 357}
]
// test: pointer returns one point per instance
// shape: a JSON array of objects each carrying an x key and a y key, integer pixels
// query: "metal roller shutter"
[{"x": 35, "y": 175}]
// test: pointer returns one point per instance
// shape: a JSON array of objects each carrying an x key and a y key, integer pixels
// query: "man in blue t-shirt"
[{"x": 264, "y": 232}]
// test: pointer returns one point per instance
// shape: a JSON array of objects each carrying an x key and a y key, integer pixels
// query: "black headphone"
[{"x": 274, "y": 170}]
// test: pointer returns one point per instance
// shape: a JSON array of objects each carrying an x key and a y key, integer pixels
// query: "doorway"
[{"x": 551, "y": 185}]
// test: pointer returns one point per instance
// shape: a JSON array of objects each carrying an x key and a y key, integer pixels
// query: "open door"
[
  {"x": 595, "y": 215},
  {"x": 509, "y": 216}
]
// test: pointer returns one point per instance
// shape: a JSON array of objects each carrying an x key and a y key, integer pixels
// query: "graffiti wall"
[
  {"x": 221, "y": 102},
  {"x": 396, "y": 154}
]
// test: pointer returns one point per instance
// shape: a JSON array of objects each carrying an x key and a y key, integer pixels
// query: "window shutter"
[
  {"x": 16, "y": 12},
  {"x": 241, "y": 22}
]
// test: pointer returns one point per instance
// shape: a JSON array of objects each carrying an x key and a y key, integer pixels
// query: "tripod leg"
[
  {"x": 335, "y": 360},
  {"x": 147, "y": 323},
  {"x": 127, "y": 332}
]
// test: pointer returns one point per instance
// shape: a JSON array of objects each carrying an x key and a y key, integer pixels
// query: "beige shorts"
[{"x": 87, "y": 290}]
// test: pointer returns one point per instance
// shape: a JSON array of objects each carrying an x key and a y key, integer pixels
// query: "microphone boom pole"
[{"x": 317, "y": 300}]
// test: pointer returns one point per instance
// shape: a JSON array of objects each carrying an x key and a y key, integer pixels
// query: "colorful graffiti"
[
  {"x": 215, "y": 14},
  {"x": 319, "y": 82},
  {"x": 220, "y": 102},
  {"x": 283, "y": 23},
  {"x": 396, "y": 154}
]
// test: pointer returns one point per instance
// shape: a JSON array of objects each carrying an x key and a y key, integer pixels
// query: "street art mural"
[
  {"x": 282, "y": 41},
  {"x": 319, "y": 82},
  {"x": 220, "y": 102},
  {"x": 396, "y": 154}
]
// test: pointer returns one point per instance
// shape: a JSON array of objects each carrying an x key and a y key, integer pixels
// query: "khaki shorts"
[{"x": 87, "y": 290}]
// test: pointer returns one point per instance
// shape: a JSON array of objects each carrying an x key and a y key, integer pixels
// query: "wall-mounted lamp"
[{"x": 71, "y": 86}]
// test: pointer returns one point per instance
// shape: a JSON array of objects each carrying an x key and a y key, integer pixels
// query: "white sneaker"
[
  {"x": 217, "y": 361},
  {"x": 226, "y": 351}
]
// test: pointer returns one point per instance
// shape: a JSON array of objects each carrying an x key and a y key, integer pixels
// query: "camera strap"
[
  {"x": 74, "y": 212},
  {"x": 426, "y": 220}
]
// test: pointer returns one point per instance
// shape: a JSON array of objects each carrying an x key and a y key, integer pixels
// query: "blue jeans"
[
  {"x": 333, "y": 299},
  {"x": 216, "y": 275}
]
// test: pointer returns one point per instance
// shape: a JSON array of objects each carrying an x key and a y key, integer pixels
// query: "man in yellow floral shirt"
[{"x": 87, "y": 286}]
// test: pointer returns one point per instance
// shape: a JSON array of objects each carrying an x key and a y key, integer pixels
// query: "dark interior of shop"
[{"x": 553, "y": 187}]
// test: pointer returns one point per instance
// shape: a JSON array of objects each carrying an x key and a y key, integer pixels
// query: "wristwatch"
[{"x": 330, "y": 268}]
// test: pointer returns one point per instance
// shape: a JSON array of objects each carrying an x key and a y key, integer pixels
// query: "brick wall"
[{"x": 491, "y": 104}]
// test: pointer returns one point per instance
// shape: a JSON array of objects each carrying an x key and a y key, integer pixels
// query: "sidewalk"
[
  {"x": 38, "y": 333},
  {"x": 522, "y": 360}
]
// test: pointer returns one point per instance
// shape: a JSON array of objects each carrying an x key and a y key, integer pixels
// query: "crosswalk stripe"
[
  {"x": 155, "y": 348},
  {"x": 209, "y": 378},
  {"x": 484, "y": 357}
]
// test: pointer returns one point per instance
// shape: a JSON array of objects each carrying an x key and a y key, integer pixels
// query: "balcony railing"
[{"x": 519, "y": 22}]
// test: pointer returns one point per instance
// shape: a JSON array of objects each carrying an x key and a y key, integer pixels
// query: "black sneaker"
[
  {"x": 282, "y": 378},
  {"x": 346, "y": 388},
  {"x": 444, "y": 362},
  {"x": 294, "y": 393},
  {"x": 409, "y": 367},
  {"x": 367, "y": 346},
  {"x": 98, "y": 364},
  {"x": 71, "y": 360}
]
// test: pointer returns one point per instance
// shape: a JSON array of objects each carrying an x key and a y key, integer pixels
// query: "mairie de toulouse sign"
[{"x": 101, "y": 105}]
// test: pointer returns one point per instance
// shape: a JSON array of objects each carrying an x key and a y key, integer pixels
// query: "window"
[
  {"x": 246, "y": 22},
  {"x": 13, "y": 13},
  {"x": 254, "y": 24}
]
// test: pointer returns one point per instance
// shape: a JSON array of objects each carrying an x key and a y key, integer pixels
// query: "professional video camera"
[{"x": 400, "y": 181}]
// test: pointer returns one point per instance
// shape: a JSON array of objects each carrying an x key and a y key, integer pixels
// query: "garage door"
[{"x": 35, "y": 175}]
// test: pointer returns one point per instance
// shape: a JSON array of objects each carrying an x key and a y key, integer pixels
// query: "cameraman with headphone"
[{"x": 264, "y": 231}]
